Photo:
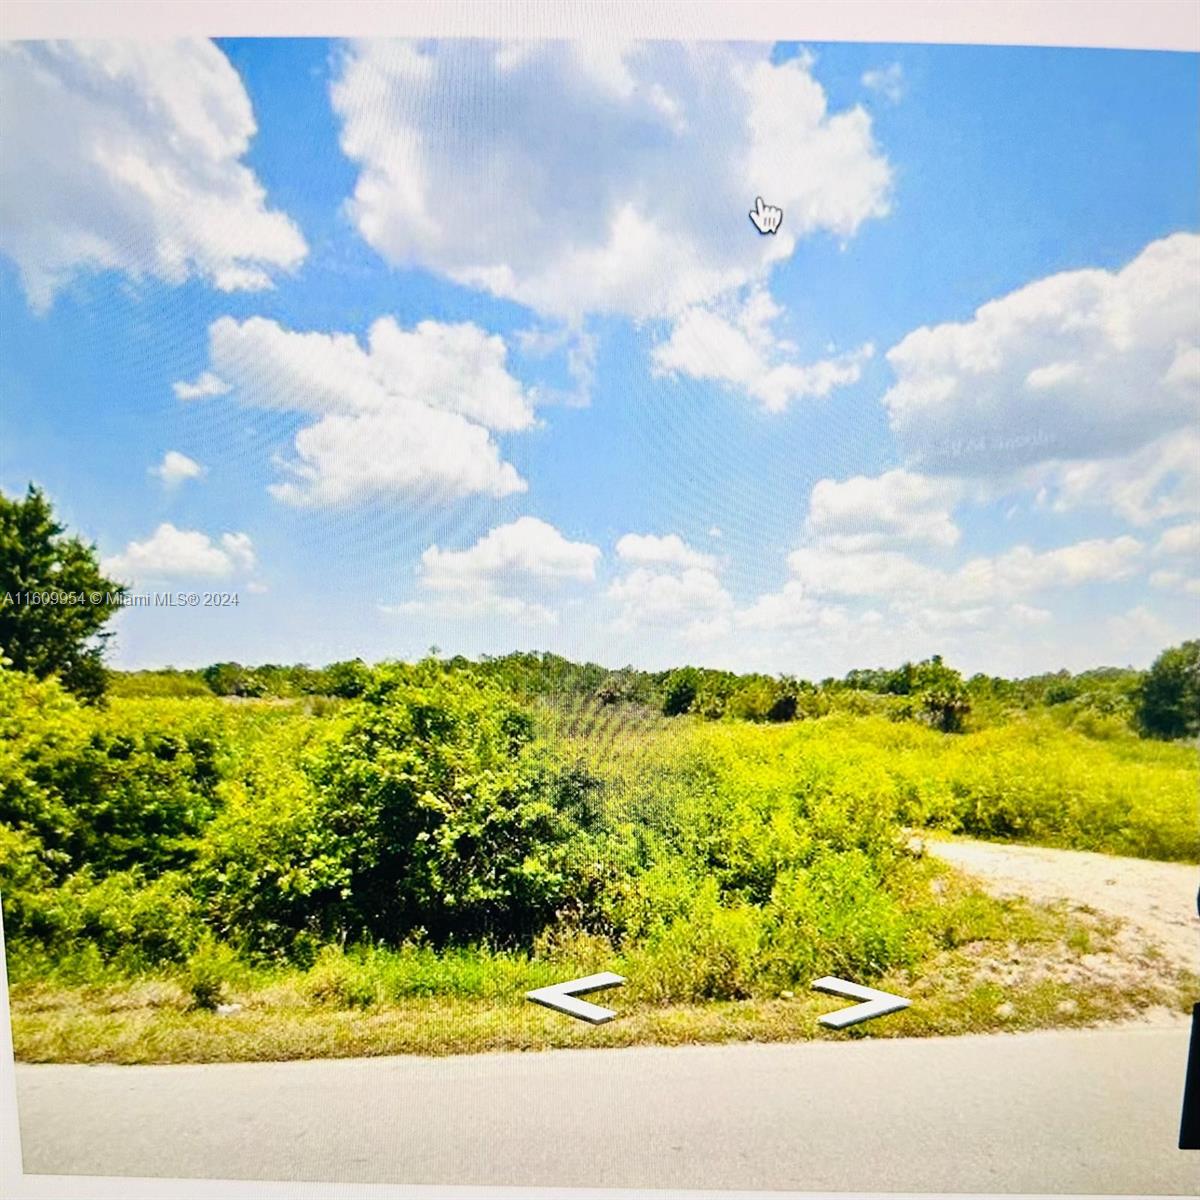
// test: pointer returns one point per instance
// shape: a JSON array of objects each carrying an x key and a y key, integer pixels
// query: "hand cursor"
[{"x": 766, "y": 217}]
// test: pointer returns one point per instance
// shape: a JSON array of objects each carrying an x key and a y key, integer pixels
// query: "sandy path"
[{"x": 1157, "y": 897}]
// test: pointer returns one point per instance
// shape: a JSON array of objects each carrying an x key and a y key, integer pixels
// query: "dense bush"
[
  {"x": 422, "y": 806},
  {"x": 1168, "y": 701},
  {"x": 437, "y": 824},
  {"x": 104, "y": 788},
  {"x": 164, "y": 683}
]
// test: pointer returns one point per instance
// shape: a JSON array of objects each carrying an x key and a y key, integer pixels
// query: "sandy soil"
[{"x": 1157, "y": 898}]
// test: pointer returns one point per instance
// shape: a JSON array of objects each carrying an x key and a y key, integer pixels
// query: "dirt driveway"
[{"x": 1158, "y": 898}]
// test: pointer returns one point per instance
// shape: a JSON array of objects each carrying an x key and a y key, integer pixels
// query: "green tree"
[
  {"x": 347, "y": 679},
  {"x": 54, "y": 600},
  {"x": 679, "y": 691},
  {"x": 423, "y": 805},
  {"x": 1168, "y": 702},
  {"x": 941, "y": 693}
]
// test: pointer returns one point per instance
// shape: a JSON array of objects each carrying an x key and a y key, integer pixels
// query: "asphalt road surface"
[{"x": 1079, "y": 1111}]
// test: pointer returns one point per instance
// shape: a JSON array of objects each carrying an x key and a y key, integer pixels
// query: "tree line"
[{"x": 38, "y": 558}]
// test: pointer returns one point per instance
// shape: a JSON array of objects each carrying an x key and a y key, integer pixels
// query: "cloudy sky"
[{"x": 474, "y": 344}]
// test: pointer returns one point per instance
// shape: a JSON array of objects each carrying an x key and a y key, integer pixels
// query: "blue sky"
[{"x": 557, "y": 392}]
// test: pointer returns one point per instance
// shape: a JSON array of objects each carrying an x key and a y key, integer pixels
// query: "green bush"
[
  {"x": 209, "y": 972},
  {"x": 421, "y": 805},
  {"x": 115, "y": 788},
  {"x": 340, "y": 982},
  {"x": 1168, "y": 701},
  {"x": 427, "y": 836}
]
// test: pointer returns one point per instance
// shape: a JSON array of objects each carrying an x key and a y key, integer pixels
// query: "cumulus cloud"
[
  {"x": 1175, "y": 581},
  {"x": 1180, "y": 539},
  {"x": 1158, "y": 482},
  {"x": 887, "y": 81},
  {"x": 669, "y": 584},
  {"x": 177, "y": 468},
  {"x": 204, "y": 385},
  {"x": 508, "y": 573},
  {"x": 524, "y": 550},
  {"x": 690, "y": 599},
  {"x": 648, "y": 549},
  {"x": 411, "y": 413},
  {"x": 1087, "y": 364},
  {"x": 739, "y": 349},
  {"x": 871, "y": 513},
  {"x": 1002, "y": 578},
  {"x": 484, "y": 605},
  {"x": 181, "y": 553},
  {"x": 791, "y": 608},
  {"x": 127, "y": 156},
  {"x": 492, "y": 191}
]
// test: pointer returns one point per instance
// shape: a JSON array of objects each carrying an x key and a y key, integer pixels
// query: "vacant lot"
[{"x": 190, "y": 880}]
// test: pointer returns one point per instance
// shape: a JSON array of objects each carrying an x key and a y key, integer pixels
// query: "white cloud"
[
  {"x": 505, "y": 574},
  {"x": 670, "y": 584},
  {"x": 686, "y": 599},
  {"x": 1138, "y": 635},
  {"x": 449, "y": 368},
  {"x": 887, "y": 81},
  {"x": 1158, "y": 482},
  {"x": 1017, "y": 572},
  {"x": 493, "y": 192},
  {"x": 467, "y": 608},
  {"x": 409, "y": 414},
  {"x": 870, "y": 513},
  {"x": 739, "y": 349},
  {"x": 791, "y": 608},
  {"x": 1082, "y": 365},
  {"x": 127, "y": 156},
  {"x": 184, "y": 553},
  {"x": 177, "y": 468},
  {"x": 648, "y": 549},
  {"x": 1175, "y": 581},
  {"x": 1180, "y": 539},
  {"x": 206, "y": 384},
  {"x": 527, "y": 549},
  {"x": 1028, "y": 614}
]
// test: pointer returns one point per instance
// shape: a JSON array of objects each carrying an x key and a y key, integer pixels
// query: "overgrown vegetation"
[
  {"x": 350, "y": 838},
  {"x": 438, "y": 835}
]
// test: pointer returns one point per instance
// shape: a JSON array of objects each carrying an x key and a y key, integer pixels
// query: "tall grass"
[{"x": 1031, "y": 780}]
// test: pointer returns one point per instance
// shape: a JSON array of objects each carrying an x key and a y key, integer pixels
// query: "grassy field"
[
  {"x": 1022, "y": 967},
  {"x": 189, "y": 879}
]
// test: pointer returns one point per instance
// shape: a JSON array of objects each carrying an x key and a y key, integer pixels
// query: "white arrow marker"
[
  {"x": 877, "y": 1003},
  {"x": 561, "y": 997}
]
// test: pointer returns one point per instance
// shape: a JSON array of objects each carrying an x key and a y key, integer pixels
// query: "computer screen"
[{"x": 615, "y": 610}]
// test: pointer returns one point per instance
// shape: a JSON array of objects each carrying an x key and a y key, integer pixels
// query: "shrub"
[
  {"x": 709, "y": 953},
  {"x": 340, "y": 981},
  {"x": 210, "y": 970},
  {"x": 126, "y": 786},
  {"x": 1168, "y": 702},
  {"x": 679, "y": 691},
  {"x": 421, "y": 805}
]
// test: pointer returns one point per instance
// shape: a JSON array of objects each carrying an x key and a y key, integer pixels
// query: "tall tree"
[
  {"x": 1168, "y": 702},
  {"x": 54, "y": 600}
]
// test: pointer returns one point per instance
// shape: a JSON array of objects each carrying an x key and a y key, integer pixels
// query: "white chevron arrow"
[
  {"x": 876, "y": 1003},
  {"x": 561, "y": 997}
]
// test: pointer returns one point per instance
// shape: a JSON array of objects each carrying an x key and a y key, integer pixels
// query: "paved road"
[{"x": 1079, "y": 1111}]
